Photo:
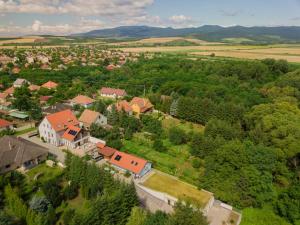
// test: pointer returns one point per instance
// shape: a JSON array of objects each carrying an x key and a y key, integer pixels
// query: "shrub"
[
  {"x": 196, "y": 163},
  {"x": 177, "y": 136}
]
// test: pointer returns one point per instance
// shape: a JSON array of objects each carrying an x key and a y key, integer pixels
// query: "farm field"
[
  {"x": 288, "y": 52},
  {"x": 31, "y": 39}
]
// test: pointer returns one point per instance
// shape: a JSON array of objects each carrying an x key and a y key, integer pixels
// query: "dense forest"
[{"x": 250, "y": 110}]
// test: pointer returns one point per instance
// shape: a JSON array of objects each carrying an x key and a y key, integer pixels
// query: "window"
[
  {"x": 7, "y": 166},
  {"x": 118, "y": 157}
]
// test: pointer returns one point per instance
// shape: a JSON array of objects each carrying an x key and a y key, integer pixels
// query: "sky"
[{"x": 62, "y": 17}]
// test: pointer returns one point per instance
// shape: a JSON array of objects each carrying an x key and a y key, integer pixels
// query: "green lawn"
[
  {"x": 263, "y": 216},
  {"x": 18, "y": 133},
  {"x": 167, "y": 123},
  {"x": 181, "y": 190},
  {"x": 47, "y": 173},
  {"x": 176, "y": 160}
]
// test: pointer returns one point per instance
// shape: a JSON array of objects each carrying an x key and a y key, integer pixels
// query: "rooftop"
[
  {"x": 162, "y": 182},
  {"x": 112, "y": 91},
  {"x": 62, "y": 120},
  {"x": 89, "y": 116},
  {"x": 50, "y": 85},
  {"x": 82, "y": 100}
]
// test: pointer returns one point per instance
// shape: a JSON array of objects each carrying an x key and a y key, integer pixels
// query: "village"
[{"x": 68, "y": 127}]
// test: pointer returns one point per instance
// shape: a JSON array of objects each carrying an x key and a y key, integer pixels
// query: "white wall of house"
[
  {"x": 102, "y": 120},
  {"x": 48, "y": 133}
]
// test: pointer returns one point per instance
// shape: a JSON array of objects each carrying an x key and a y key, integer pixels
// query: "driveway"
[{"x": 58, "y": 153}]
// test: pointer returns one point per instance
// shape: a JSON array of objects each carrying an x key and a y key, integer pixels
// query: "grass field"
[
  {"x": 290, "y": 53},
  {"x": 263, "y": 216},
  {"x": 181, "y": 190},
  {"x": 46, "y": 173},
  {"x": 170, "y": 122}
]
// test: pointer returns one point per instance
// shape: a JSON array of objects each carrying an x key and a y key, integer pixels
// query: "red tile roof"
[
  {"x": 62, "y": 120},
  {"x": 88, "y": 117},
  {"x": 3, "y": 95},
  {"x": 107, "y": 151},
  {"x": 45, "y": 98},
  {"x": 113, "y": 91},
  {"x": 4, "y": 123},
  {"x": 128, "y": 162},
  {"x": 10, "y": 90},
  {"x": 100, "y": 145},
  {"x": 34, "y": 87},
  {"x": 71, "y": 133},
  {"x": 82, "y": 100},
  {"x": 50, "y": 85}
]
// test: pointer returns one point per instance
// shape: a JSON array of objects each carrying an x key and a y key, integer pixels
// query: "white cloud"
[
  {"x": 180, "y": 19},
  {"x": 36, "y": 26},
  {"x": 78, "y": 7}
]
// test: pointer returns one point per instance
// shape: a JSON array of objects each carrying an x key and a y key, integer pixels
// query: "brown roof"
[
  {"x": 113, "y": 91},
  {"x": 62, "y": 120},
  {"x": 82, "y": 100},
  {"x": 3, "y": 95},
  {"x": 18, "y": 150},
  {"x": 89, "y": 116},
  {"x": 10, "y": 90},
  {"x": 107, "y": 151}
]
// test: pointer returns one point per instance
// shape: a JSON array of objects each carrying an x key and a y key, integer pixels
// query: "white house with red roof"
[
  {"x": 112, "y": 92},
  {"x": 5, "y": 125},
  {"x": 127, "y": 162},
  {"x": 62, "y": 128},
  {"x": 82, "y": 100}
]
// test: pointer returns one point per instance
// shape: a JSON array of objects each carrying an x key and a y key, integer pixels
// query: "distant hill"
[{"x": 207, "y": 32}]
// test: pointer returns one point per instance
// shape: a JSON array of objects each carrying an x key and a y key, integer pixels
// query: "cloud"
[
  {"x": 77, "y": 7},
  {"x": 36, "y": 26},
  {"x": 180, "y": 19},
  {"x": 295, "y": 18}
]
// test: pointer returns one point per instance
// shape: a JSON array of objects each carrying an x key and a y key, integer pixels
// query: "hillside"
[{"x": 207, "y": 32}]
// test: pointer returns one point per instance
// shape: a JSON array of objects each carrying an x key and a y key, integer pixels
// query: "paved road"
[{"x": 60, "y": 155}]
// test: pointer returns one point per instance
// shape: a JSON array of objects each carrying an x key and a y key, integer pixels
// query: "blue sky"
[{"x": 18, "y": 17}]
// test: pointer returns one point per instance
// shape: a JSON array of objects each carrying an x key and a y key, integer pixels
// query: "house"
[
  {"x": 44, "y": 99},
  {"x": 16, "y": 152},
  {"x": 34, "y": 87},
  {"x": 62, "y": 128},
  {"x": 3, "y": 97},
  {"x": 126, "y": 162},
  {"x": 122, "y": 106},
  {"x": 5, "y": 125},
  {"x": 105, "y": 151},
  {"x": 16, "y": 70},
  {"x": 88, "y": 117},
  {"x": 50, "y": 85},
  {"x": 10, "y": 91},
  {"x": 110, "y": 67},
  {"x": 20, "y": 82},
  {"x": 57, "y": 107},
  {"x": 141, "y": 105},
  {"x": 82, "y": 100},
  {"x": 112, "y": 92}
]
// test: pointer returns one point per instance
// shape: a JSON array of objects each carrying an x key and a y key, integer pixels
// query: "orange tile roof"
[
  {"x": 3, "y": 95},
  {"x": 89, "y": 116},
  {"x": 50, "y": 85},
  {"x": 34, "y": 87},
  {"x": 62, "y": 120},
  {"x": 128, "y": 162},
  {"x": 68, "y": 135},
  {"x": 100, "y": 145},
  {"x": 143, "y": 103},
  {"x": 4, "y": 123},
  {"x": 10, "y": 90},
  {"x": 123, "y": 105},
  {"x": 82, "y": 100},
  {"x": 107, "y": 151}
]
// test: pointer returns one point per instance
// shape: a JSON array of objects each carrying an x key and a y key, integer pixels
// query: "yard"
[
  {"x": 169, "y": 122},
  {"x": 44, "y": 173},
  {"x": 181, "y": 190}
]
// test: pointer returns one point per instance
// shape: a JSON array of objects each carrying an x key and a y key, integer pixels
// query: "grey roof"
[
  {"x": 20, "y": 81},
  {"x": 18, "y": 150},
  {"x": 56, "y": 108}
]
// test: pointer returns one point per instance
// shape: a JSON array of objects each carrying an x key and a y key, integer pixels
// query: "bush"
[
  {"x": 196, "y": 163},
  {"x": 158, "y": 145},
  {"x": 177, "y": 136},
  {"x": 39, "y": 204},
  {"x": 71, "y": 191},
  {"x": 68, "y": 216}
]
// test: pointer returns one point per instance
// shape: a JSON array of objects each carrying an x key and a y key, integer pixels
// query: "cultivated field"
[
  {"x": 288, "y": 52},
  {"x": 21, "y": 40},
  {"x": 164, "y": 40}
]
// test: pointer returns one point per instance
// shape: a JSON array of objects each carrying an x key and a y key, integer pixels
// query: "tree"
[
  {"x": 151, "y": 125},
  {"x": 137, "y": 217},
  {"x": 14, "y": 203},
  {"x": 186, "y": 214},
  {"x": 67, "y": 216},
  {"x": 39, "y": 204},
  {"x": 158, "y": 218},
  {"x": 52, "y": 192},
  {"x": 22, "y": 99},
  {"x": 215, "y": 128},
  {"x": 158, "y": 145},
  {"x": 5, "y": 219},
  {"x": 177, "y": 136}
]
